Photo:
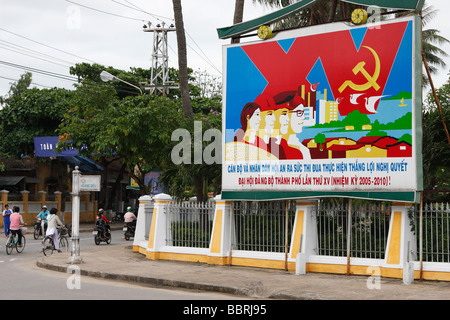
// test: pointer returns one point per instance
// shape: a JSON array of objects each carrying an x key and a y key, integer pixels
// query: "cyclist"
[
  {"x": 16, "y": 220},
  {"x": 52, "y": 222}
]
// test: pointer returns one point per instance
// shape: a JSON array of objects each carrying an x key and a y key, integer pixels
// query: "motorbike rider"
[
  {"x": 102, "y": 222},
  {"x": 129, "y": 219},
  {"x": 43, "y": 216}
]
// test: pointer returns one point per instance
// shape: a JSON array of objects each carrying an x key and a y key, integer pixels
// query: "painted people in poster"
[{"x": 340, "y": 98}]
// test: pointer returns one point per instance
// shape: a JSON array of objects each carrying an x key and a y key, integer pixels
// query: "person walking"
[
  {"x": 53, "y": 222},
  {"x": 7, "y": 219}
]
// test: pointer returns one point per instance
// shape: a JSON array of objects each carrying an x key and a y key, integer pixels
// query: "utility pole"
[
  {"x": 159, "y": 82},
  {"x": 75, "y": 249}
]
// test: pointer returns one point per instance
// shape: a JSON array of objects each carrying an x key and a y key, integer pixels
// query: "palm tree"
[
  {"x": 238, "y": 16},
  {"x": 182, "y": 60},
  {"x": 430, "y": 42}
]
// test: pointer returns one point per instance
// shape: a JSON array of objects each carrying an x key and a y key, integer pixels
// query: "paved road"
[{"x": 21, "y": 279}]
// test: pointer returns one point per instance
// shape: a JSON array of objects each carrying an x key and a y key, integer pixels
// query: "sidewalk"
[{"x": 118, "y": 262}]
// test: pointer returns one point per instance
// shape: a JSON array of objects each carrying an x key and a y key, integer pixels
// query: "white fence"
[
  {"x": 378, "y": 233},
  {"x": 436, "y": 232},
  {"x": 189, "y": 224}
]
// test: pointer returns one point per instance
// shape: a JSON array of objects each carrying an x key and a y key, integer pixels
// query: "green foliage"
[
  {"x": 203, "y": 177},
  {"x": 90, "y": 73},
  {"x": 320, "y": 138},
  {"x": 436, "y": 148},
  {"x": 194, "y": 234},
  {"x": 32, "y": 113},
  {"x": 135, "y": 129},
  {"x": 112, "y": 121},
  {"x": 18, "y": 87}
]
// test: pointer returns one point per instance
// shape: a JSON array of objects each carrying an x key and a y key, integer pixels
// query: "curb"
[
  {"x": 153, "y": 282},
  {"x": 164, "y": 283}
]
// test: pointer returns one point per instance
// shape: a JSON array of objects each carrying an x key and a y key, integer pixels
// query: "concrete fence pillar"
[
  {"x": 157, "y": 235},
  {"x": 401, "y": 242},
  {"x": 219, "y": 248},
  {"x": 43, "y": 195},
  {"x": 25, "y": 194},
  {"x": 4, "y": 197},
  {"x": 144, "y": 218},
  {"x": 304, "y": 235}
]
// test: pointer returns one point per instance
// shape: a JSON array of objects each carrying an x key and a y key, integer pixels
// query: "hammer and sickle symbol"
[{"x": 371, "y": 80}]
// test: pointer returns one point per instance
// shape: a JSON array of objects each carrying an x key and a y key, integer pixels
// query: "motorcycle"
[
  {"x": 129, "y": 230},
  {"x": 99, "y": 236},
  {"x": 38, "y": 230}
]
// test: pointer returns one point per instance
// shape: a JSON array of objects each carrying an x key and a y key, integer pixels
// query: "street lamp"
[{"x": 106, "y": 76}]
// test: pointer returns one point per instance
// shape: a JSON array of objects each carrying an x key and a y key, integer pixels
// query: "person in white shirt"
[
  {"x": 129, "y": 218},
  {"x": 53, "y": 222}
]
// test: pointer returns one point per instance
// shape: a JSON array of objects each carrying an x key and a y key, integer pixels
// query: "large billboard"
[{"x": 326, "y": 110}]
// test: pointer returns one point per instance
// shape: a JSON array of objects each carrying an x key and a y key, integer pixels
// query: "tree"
[
  {"x": 320, "y": 138},
  {"x": 182, "y": 59},
  {"x": 318, "y": 13},
  {"x": 238, "y": 16},
  {"x": 430, "y": 38},
  {"x": 187, "y": 179},
  {"x": 32, "y": 113},
  {"x": 91, "y": 72},
  {"x": 17, "y": 87},
  {"x": 436, "y": 151},
  {"x": 136, "y": 130}
]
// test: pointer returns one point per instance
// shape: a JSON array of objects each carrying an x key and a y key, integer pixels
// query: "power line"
[
  {"x": 36, "y": 84},
  {"x": 58, "y": 75},
  {"x": 205, "y": 58},
  {"x": 36, "y": 52},
  {"x": 104, "y": 12},
  {"x": 45, "y": 45},
  {"x": 135, "y": 7},
  {"x": 30, "y": 55},
  {"x": 43, "y": 72}
]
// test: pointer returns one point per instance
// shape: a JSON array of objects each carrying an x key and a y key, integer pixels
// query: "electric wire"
[
  {"x": 30, "y": 55},
  {"x": 38, "y": 55},
  {"x": 15, "y": 80},
  {"x": 74, "y": 80},
  {"x": 104, "y": 12},
  {"x": 135, "y": 7},
  {"x": 8, "y": 43},
  {"x": 48, "y": 46},
  {"x": 204, "y": 56},
  {"x": 43, "y": 72}
]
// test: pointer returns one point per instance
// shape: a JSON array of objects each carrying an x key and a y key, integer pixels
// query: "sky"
[{"x": 46, "y": 37}]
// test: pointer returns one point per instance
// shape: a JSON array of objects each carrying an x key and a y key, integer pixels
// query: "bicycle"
[
  {"x": 12, "y": 243},
  {"x": 48, "y": 246}
]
